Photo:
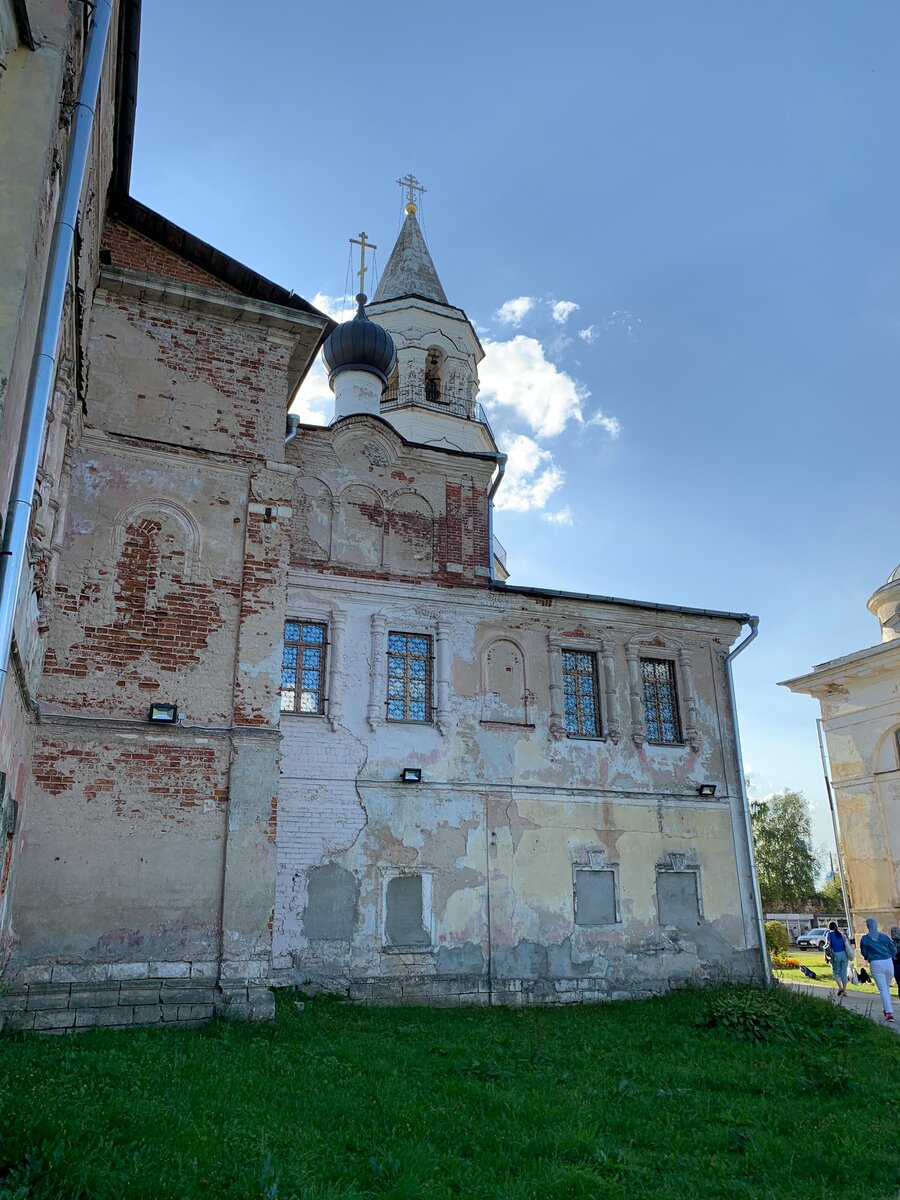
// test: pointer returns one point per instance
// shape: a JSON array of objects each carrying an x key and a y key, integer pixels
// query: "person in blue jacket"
[
  {"x": 840, "y": 956},
  {"x": 878, "y": 951}
]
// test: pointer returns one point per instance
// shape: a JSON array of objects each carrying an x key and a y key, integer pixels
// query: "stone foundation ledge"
[
  {"x": 203, "y": 970},
  {"x": 451, "y": 991},
  {"x": 186, "y": 1002}
]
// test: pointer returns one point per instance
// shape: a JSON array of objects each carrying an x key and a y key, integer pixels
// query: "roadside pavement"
[{"x": 858, "y": 1002}]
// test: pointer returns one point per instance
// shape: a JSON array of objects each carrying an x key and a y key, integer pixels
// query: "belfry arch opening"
[{"x": 434, "y": 375}]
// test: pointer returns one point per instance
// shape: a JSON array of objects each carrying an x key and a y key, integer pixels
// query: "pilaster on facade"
[{"x": 375, "y": 715}]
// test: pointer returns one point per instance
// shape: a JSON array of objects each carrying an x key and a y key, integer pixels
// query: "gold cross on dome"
[
  {"x": 364, "y": 244},
  {"x": 412, "y": 186}
]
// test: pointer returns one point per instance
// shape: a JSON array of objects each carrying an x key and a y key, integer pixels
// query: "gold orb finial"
[{"x": 412, "y": 208}]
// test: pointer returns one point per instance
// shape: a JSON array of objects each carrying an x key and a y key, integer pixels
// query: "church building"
[
  {"x": 274, "y": 714},
  {"x": 859, "y": 697}
]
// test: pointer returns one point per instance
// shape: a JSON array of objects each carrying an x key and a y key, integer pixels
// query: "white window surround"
[
  {"x": 335, "y": 621},
  {"x": 439, "y": 631},
  {"x": 427, "y": 912},
  {"x": 602, "y": 648},
  {"x": 644, "y": 646}
]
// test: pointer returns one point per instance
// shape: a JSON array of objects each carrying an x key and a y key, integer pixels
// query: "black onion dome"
[{"x": 359, "y": 345}]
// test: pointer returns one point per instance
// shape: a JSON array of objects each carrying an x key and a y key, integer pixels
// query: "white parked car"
[{"x": 812, "y": 938}]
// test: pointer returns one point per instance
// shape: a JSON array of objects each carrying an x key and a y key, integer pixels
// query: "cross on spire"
[
  {"x": 412, "y": 186},
  {"x": 364, "y": 244}
]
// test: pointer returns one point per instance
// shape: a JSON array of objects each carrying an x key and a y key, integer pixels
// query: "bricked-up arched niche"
[
  {"x": 311, "y": 521},
  {"x": 503, "y": 683},
  {"x": 410, "y": 537},
  {"x": 156, "y": 546},
  {"x": 359, "y": 527}
]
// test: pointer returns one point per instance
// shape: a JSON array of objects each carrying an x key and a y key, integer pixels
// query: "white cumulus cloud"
[
  {"x": 561, "y": 310},
  {"x": 588, "y": 335},
  {"x": 563, "y": 516},
  {"x": 517, "y": 379},
  {"x": 314, "y": 400},
  {"x": 531, "y": 476},
  {"x": 514, "y": 312},
  {"x": 339, "y": 308}
]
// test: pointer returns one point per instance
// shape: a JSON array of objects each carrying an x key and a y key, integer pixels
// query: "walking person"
[
  {"x": 839, "y": 949},
  {"x": 878, "y": 950},
  {"x": 895, "y": 938}
]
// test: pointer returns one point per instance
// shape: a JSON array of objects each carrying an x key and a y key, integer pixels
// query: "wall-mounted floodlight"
[
  {"x": 163, "y": 714},
  {"x": 707, "y": 789},
  {"x": 412, "y": 775}
]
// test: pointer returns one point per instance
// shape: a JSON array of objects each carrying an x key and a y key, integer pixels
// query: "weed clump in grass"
[{"x": 765, "y": 1015}]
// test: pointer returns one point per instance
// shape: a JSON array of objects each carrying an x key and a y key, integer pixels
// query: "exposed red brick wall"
[
  {"x": 129, "y": 248},
  {"x": 171, "y": 779},
  {"x": 148, "y": 638},
  {"x": 237, "y": 360}
]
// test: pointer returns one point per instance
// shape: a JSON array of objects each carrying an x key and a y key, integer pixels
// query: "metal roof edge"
[{"x": 651, "y": 605}]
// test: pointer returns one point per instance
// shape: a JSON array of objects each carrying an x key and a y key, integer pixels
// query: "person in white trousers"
[{"x": 878, "y": 950}]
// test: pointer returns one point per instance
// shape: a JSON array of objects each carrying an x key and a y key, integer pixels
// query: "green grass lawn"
[
  {"x": 815, "y": 960},
  {"x": 660, "y": 1098}
]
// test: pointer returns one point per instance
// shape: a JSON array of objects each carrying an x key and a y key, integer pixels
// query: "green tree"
[
  {"x": 777, "y": 936},
  {"x": 831, "y": 895},
  {"x": 785, "y": 859}
]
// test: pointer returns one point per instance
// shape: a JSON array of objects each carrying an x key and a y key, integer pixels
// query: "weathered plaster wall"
[
  {"x": 365, "y": 503},
  {"x": 169, "y": 588},
  {"x": 508, "y": 807}
]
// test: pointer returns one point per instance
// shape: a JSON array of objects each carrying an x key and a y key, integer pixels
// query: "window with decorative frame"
[
  {"x": 659, "y": 692},
  {"x": 581, "y": 694},
  {"x": 303, "y": 668},
  {"x": 409, "y": 677}
]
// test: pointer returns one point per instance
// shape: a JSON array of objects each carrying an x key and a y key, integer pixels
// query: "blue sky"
[{"x": 715, "y": 186}]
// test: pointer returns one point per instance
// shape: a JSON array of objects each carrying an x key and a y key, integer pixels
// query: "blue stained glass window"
[
  {"x": 581, "y": 698},
  {"x": 304, "y": 647},
  {"x": 660, "y": 701},
  {"x": 409, "y": 677}
]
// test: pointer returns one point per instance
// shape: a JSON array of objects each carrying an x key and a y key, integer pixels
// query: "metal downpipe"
[
  {"x": 501, "y": 471},
  {"x": 745, "y": 804},
  {"x": 43, "y": 367}
]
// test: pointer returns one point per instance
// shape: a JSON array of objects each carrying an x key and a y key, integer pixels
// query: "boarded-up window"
[
  {"x": 678, "y": 899},
  {"x": 404, "y": 923},
  {"x": 595, "y": 897}
]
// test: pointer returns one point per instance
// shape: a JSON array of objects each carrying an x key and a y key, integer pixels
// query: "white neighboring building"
[{"x": 859, "y": 696}]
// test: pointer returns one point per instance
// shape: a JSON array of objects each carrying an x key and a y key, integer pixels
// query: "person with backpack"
[
  {"x": 878, "y": 950},
  {"x": 838, "y": 950}
]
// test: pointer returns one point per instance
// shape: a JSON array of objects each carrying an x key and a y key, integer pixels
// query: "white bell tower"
[{"x": 431, "y": 396}]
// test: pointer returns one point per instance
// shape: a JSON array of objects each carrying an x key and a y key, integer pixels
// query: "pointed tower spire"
[{"x": 409, "y": 270}]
